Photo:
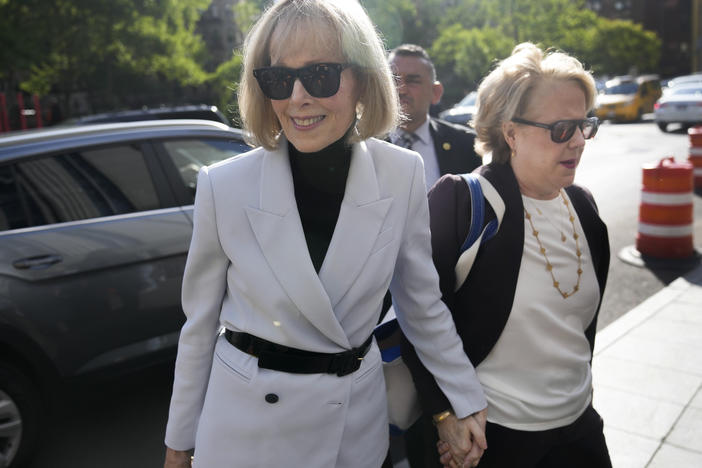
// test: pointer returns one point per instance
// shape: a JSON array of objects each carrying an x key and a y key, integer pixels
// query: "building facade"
[
  {"x": 218, "y": 29},
  {"x": 672, "y": 20}
]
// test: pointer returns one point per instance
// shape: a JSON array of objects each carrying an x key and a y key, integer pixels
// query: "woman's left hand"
[
  {"x": 445, "y": 456},
  {"x": 177, "y": 458},
  {"x": 474, "y": 425}
]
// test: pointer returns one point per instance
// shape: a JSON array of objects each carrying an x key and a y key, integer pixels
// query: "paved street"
[
  {"x": 112, "y": 424},
  {"x": 611, "y": 169},
  {"x": 120, "y": 423}
]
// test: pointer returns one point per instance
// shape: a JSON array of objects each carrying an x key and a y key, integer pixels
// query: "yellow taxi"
[{"x": 626, "y": 99}]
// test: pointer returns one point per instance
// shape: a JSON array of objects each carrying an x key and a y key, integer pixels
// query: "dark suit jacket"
[
  {"x": 481, "y": 307},
  {"x": 455, "y": 152},
  {"x": 454, "y": 147}
]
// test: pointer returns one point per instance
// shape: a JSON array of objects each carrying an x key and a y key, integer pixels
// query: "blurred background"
[{"x": 63, "y": 59}]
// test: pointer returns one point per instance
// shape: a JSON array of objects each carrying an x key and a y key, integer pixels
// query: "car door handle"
[{"x": 38, "y": 262}]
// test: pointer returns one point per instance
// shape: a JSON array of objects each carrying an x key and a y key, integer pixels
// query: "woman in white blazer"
[{"x": 294, "y": 246}]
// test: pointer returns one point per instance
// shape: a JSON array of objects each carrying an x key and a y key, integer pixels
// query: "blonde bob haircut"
[
  {"x": 505, "y": 93},
  {"x": 339, "y": 25}
]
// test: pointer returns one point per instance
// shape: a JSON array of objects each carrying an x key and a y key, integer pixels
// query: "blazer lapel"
[
  {"x": 442, "y": 147},
  {"x": 360, "y": 220},
  {"x": 278, "y": 230}
]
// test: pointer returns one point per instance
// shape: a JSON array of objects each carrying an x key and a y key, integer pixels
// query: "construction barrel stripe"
[
  {"x": 665, "y": 231},
  {"x": 668, "y": 199},
  {"x": 695, "y": 134},
  {"x": 666, "y": 210}
]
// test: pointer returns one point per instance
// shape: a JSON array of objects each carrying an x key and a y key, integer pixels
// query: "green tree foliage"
[
  {"x": 401, "y": 21},
  {"x": 476, "y": 33},
  {"x": 246, "y": 12},
  {"x": 173, "y": 49},
  {"x": 21, "y": 47},
  {"x": 621, "y": 47},
  {"x": 463, "y": 56},
  {"x": 391, "y": 18},
  {"x": 113, "y": 48},
  {"x": 223, "y": 84},
  {"x": 122, "y": 50}
]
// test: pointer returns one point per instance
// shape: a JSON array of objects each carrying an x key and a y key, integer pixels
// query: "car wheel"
[
  {"x": 20, "y": 408},
  {"x": 663, "y": 126}
]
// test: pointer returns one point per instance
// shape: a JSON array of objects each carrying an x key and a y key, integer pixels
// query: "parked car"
[
  {"x": 684, "y": 80},
  {"x": 462, "y": 113},
  {"x": 200, "y": 111},
  {"x": 627, "y": 99},
  {"x": 95, "y": 224},
  {"x": 681, "y": 104}
]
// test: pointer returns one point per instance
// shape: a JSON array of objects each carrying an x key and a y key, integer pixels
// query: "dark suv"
[
  {"x": 95, "y": 223},
  {"x": 193, "y": 111}
]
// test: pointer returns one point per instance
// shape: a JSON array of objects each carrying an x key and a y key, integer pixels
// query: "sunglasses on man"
[
  {"x": 563, "y": 130},
  {"x": 320, "y": 80}
]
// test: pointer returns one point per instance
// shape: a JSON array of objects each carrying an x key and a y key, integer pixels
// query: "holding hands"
[
  {"x": 177, "y": 458},
  {"x": 462, "y": 441}
]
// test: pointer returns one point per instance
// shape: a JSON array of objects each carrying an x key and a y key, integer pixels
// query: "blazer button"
[{"x": 272, "y": 398}]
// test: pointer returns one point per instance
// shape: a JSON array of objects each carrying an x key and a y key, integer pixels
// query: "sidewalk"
[{"x": 647, "y": 373}]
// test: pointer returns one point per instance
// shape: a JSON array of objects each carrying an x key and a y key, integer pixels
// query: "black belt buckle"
[
  {"x": 348, "y": 362},
  {"x": 345, "y": 363}
]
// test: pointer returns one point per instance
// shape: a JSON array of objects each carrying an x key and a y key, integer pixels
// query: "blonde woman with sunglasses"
[
  {"x": 294, "y": 246},
  {"x": 527, "y": 310}
]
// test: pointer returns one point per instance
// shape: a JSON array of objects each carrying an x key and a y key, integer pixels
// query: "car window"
[
  {"x": 468, "y": 100},
  {"x": 11, "y": 214},
  {"x": 622, "y": 88},
  {"x": 687, "y": 90},
  {"x": 75, "y": 186},
  {"x": 684, "y": 80},
  {"x": 190, "y": 155}
]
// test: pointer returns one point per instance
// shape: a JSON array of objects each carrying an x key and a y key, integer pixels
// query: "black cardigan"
[{"x": 481, "y": 307}]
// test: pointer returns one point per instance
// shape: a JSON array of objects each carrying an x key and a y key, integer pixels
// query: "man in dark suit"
[{"x": 444, "y": 147}]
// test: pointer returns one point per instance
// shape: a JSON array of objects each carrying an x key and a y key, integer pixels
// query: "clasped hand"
[
  {"x": 177, "y": 458},
  {"x": 462, "y": 441}
]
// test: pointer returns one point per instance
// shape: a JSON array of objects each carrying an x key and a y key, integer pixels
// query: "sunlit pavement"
[{"x": 647, "y": 373}]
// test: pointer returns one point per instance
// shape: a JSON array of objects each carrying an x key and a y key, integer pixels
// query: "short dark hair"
[{"x": 413, "y": 50}]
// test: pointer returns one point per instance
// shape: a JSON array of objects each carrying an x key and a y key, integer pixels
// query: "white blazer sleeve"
[
  {"x": 204, "y": 285},
  {"x": 423, "y": 317}
]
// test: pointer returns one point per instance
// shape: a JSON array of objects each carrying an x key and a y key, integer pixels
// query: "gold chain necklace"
[
  {"x": 549, "y": 265},
  {"x": 557, "y": 228}
]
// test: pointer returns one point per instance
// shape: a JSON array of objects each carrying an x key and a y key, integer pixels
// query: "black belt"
[{"x": 297, "y": 361}]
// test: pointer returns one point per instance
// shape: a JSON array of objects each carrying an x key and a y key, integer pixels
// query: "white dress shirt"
[{"x": 424, "y": 145}]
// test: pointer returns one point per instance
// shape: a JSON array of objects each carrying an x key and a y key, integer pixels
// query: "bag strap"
[
  {"x": 477, "y": 203},
  {"x": 480, "y": 189}
]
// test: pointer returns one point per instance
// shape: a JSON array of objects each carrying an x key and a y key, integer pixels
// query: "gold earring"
[{"x": 512, "y": 153}]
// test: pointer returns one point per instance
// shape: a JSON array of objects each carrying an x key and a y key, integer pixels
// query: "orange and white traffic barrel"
[
  {"x": 665, "y": 213},
  {"x": 695, "y": 134}
]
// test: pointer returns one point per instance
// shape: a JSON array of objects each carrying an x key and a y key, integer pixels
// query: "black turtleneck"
[{"x": 320, "y": 180}]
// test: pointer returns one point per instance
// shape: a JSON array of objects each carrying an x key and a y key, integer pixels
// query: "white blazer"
[{"x": 249, "y": 270}]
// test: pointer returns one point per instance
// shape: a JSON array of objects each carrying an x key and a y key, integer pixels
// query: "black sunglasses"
[
  {"x": 563, "y": 130},
  {"x": 321, "y": 80}
]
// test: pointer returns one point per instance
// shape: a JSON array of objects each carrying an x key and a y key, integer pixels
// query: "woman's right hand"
[
  {"x": 465, "y": 438},
  {"x": 445, "y": 457},
  {"x": 177, "y": 458}
]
